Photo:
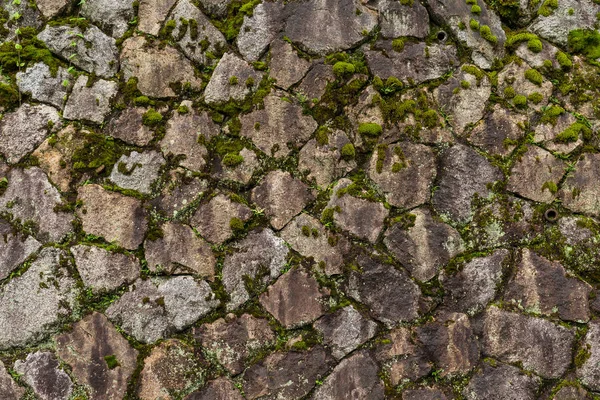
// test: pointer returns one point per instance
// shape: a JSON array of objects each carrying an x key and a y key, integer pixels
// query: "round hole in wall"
[
  {"x": 442, "y": 36},
  {"x": 551, "y": 215}
]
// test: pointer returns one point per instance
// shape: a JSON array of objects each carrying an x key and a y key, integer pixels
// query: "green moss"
[
  {"x": 535, "y": 98},
  {"x": 474, "y": 24},
  {"x": 141, "y": 101},
  {"x": 582, "y": 356},
  {"x": 486, "y": 33},
  {"x": 398, "y": 166},
  {"x": 9, "y": 95},
  {"x": 183, "y": 109},
  {"x": 571, "y": 134},
  {"x": 473, "y": 70},
  {"x": 98, "y": 151},
  {"x": 462, "y": 26},
  {"x": 550, "y": 186},
  {"x": 509, "y": 92},
  {"x": 236, "y": 225},
  {"x": 407, "y": 2},
  {"x": 548, "y": 7},
  {"x": 348, "y": 152},
  {"x": 564, "y": 60},
  {"x": 533, "y": 76},
  {"x": 520, "y": 101},
  {"x": 236, "y": 11},
  {"x": 398, "y": 44},
  {"x": 405, "y": 221},
  {"x": 152, "y": 118},
  {"x": 551, "y": 114},
  {"x": 513, "y": 40},
  {"x": 29, "y": 50},
  {"x": 476, "y": 9},
  {"x": 111, "y": 362},
  {"x": 342, "y": 69},
  {"x": 232, "y": 160},
  {"x": 586, "y": 42},
  {"x": 465, "y": 84},
  {"x": 322, "y": 136},
  {"x": 370, "y": 129},
  {"x": 233, "y": 80},
  {"x": 535, "y": 45},
  {"x": 306, "y": 230},
  {"x": 430, "y": 118}
]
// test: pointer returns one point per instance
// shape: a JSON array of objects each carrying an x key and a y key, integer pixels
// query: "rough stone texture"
[
  {"x": 171, "y": 367},
  {"x": 9, "y": 389},
  {"x": 110, "y": 15},
  {"x": 137, "y": 171},
  {"x": 220, "y": 89},
  {"x": 50, "y": 8},
  {"x": 545, "y": 287},
  {"x": 90, "y": 103},
  {"x": 31, "y": 199},
  {"x": 463, "y": 175},
  {"x": 341, "y": 25},
  {"x": 556, "y": 26},
  {"x": 474, "y": 286},
  {"x": 282, "y": 197},
  {"x": 425, "y": 247},
  {"x": 24, "y": 129},
  {"x": 152, "y": 13},
  {"x": 15, "y": 247},
  {"x": 388, "y": 292},
  {"x": 259, "y": 29},
  {"x": 100, "y": 58},
  {"x": 501, "y": 382},
  {"x": 286, "y": 375},
  {"x": 416, "y": 63},
  {"x": 129, "y": 128},
  {"x": 279, "y": 123},
  {"x": 232, "y": 340},
  {"x": 512, "y": 337},
  {"x": 260, "y": 256},
  {"x": 547, "y": 133},
  {"x": 42, "y": 86},
  {"x": 295, "y": 299},
  {"x": 219, "y": 389},
  {"x": 535, "y": 174},
  {"x": 241, "y": 173},
  {"x": 360, "y": 217},
  {"x": 345, "y": 330},
  {"x": 183, "y": 136},
  {"x": 286, "y": 67},
  {"x": 321, "y": 245},
  {"x": 180, "y": 194},
  {"x": 149, "y": 311},
  {"x": 355, "y": 377},
  {"x": 410, "y": 186},
  {"x": 513, "y": 75},
  {"x": 397, "y": 19},
  {"x": 423, "y": 394},
  {"x": 179, "y": 250},
  {"x": 314, "y": 83},
  {"x": 32, "y": 304},
  {"x": 112, "y": 215},
  {"x": 89, "y": 347},
  {"x": 579, "y": 191},
  {"x": 589, "y": 371},
  {"x": 213, "y": 218},
  {"x": 498, "y": 131},
  {"x": 41, "y": 371},
  {"x": 102, "y": 270},
  {"x": 151, "y": 66}
]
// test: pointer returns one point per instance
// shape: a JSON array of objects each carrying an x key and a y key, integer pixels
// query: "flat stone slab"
[
  {"x": 137, "y": 171},
  {"x": 15, "y": 247},
  {"x": 502, "y": 381},
  {"x": 102, "y": 270},
  {"x": 40, "y": 370},
  {"x": 90, "y": 103},
  {"x": 38, "y": 81},
  {"x": 213, "y": 219},
  {"x": 579, "y": 192}
]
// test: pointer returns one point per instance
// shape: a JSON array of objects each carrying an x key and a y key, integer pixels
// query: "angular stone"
[
  {"x": 502, "y": 382},
  {"x": 15, "y": 248},
  {"x": 234, "y": 339},
  {"x": 589, "y": 371},
  {"x": 50, "y": 8},
  {"x": 112, "y": 215},
  {"x": 279, "y": 123},
  {"x": 28, "y": 17},
  {"x": 155, "y": 68},
  {"x": 41, "y": 371},
  {"x": 242, "y": 172},
  {"x": 546, "y": 134},
  {"x": 544, "y": 286},
  {"x": 9, "y": 390},
  {"x": 286, "y": 375},
  {"x": 536, "y": 175},
  {"x": 219, "y": 389},
  {"x": 129, "y": 127},
  {"x": 170, "y": 369},
  {"x": 345, "y": 330},
  {"x": 220, "y": 88},
  {"x": 325, "y": 163},
  {"x": 572, "y": 391},
  {"x": 463, "y": 175},
  {"x": 30, "y": 198},
  {"x": 341, "y": 24},
  {"x": 398, "y": 19},
  {"x": 184, "y": 134},
  {"x": 580, "y": 191},
  {"x": 536, "y": 59},
  {"x": 99, "y": 356},
  {"x": 90, "y": 103},
  {"x": 260, "y": 256},
  {"x": 33, "y": 304},
  {"x": 101, "y": 58},
  {"x": 513, "y": 75},
  {"x": 475, "y": 285},
  {"x": 360, "y": 217},
  {"x": 403, "y": 360},
  {"x": 102, "y": 270},
  {"x": 424, "y": 248},
  {"x": 556, "y": 26},
  {"x": 212, "y": 220},
  {"x": 179, "y": 250},
  {"x": 23, "y": 130},
  {"x": 388, "y": 292},
  {"x": 506, "y": 334},
  {"x": 189, "y": 38},
  {"x": 180, "y": 194},
  {"x": 150, "y": 311},
  {"x": 295, "y": 299},
  {"x": 416, "y": 63},
  {"x": 406, "y": 175},
  {"x": 42, "y": 86},
  {"x": 452, "y": 13},
  {"x": 466, "y": 106},
  {"x": 315, "y": 82},
  {"x": 286, "y": 67},
  {"x": 282, "y": 197},
  {"x": 498, "y": 132},
  {"x": 355, "y": 377},
  {"x": 137, "y": 171},
  {"x": 426, "y": 393},
  {"x": 259, "y": 29},
  {"x": 152, "y": 14},
  {"x": 216, "y": 8},
  {"x": 113, "y": 16},
  {"x": 450, "y": 343},
  {"x": 316, "y": 242}
]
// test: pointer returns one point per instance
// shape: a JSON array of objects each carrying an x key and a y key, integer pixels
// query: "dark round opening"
[
  {"x": 551, "y": 214},
  {"x": 441, "y": 35}
]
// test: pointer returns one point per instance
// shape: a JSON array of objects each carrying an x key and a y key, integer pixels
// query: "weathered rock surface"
[
  {"x": 102, "y": 270},
  {"x": 502, "y": 382},
  {"x": 152, "y": 14},
  {"x": 219, "y": 389},
  {"x": 345, "y": 330},
  {"x": 9, "y": 389},
  {"x": 579, "y": 192},
  {"x": 286, "y": 67},
  {"x": 403, "y": 359},
  {"x": 15, "y": 247},
  {"x": 589, "y": 371},
  {"x": 129, "y": 127},
  {"x": 259, "y": 29},
  {"x": 41, "y": 371},
  {"x": 99, "y": 356},
  {"x": 137, "y": 171},
  {"x": 90, "y": 103},
  {"x": 110, "y": 15},
  {"x": 498, "y": 132},
  {"x": 423, "y": 394},
  {"x": 242, "y": 172},
  {"x": 112, "y": 215},
  {"x": 514, "y": 76},
  {"x": 398, "y": 19},
  {"x": 50, "y": 8},
  {"x": 556, "y": 26},
  {"x": 38, "y": 81},
  {"x": 233, "y": 79},
  {"x": 213, "y": 219}
]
